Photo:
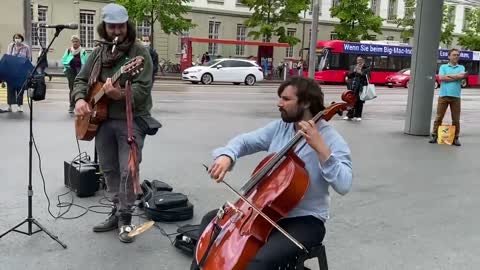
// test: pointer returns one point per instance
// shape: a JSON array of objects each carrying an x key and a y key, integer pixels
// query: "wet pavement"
[{"x": 413, "y": 205}]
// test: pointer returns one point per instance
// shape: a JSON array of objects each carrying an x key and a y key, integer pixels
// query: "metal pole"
[
  {"x": 27, "y": 21},
  {"x": 313, "y": 40},
  {"x": 424, "y": 58}
]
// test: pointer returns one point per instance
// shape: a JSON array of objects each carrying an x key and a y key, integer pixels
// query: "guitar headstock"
[{"x": 133, "y": 67}]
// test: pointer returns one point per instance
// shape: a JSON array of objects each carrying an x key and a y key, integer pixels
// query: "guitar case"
[{"x": 160, "y": 203}]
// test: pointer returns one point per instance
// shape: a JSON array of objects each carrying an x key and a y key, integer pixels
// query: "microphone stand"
[{"x": 30, "y": 220}]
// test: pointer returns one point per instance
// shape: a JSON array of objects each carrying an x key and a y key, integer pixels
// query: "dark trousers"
[
  {"x": 357, "y": 110},
  {"x": 455, "y": 108},
  {"x": 279, "y": 251},
  {"x": 71, "y": 74},
  {"x": 113, "y": 153},
  {"x": 14, "y": 95}
]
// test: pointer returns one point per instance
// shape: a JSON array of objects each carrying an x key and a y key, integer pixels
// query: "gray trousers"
[{"x": 113, "y": 151}]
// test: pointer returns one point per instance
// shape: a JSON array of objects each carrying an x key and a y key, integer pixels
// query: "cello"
[{"x": 278, "y": 183}]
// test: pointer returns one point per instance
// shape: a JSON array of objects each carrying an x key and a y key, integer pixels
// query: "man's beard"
[{"x": 292, "y": 118}]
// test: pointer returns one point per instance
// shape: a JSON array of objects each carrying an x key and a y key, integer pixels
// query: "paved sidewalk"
[{"x": 413, "y": 205}]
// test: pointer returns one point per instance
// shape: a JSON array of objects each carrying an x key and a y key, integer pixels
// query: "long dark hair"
[
  {"x": 131, "y": 31},
  {"x": 308, "y": 91}
]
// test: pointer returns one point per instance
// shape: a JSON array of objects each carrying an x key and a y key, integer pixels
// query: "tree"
[
  {"x": 356, "y": 20},
  {"x": 471, "y": 38},
  {"x": 270, "y": 17},
  {"x": 407, "y": 23},
  {"x": 169, "y": 13},
  {"x": 447, "y": 25}
]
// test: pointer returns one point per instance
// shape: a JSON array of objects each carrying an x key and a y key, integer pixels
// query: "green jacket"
[
  {"x": 68, "y": 56},
  {"x": 141, "y": 83}
]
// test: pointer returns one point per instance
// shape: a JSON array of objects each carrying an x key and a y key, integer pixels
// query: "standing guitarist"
[{"x": 111, "y": 139}]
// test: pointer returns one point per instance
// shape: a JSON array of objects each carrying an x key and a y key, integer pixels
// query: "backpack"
[{"x": 160, "y": 203}]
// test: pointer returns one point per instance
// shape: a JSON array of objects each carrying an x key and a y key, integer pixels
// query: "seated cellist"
[{"x": 327, "y": 160}]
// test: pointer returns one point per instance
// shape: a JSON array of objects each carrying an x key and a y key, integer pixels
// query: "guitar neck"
[{"x": 101, "y": 93}]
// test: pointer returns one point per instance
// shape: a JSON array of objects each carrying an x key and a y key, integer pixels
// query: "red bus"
[{"x": 334, "y": 57}]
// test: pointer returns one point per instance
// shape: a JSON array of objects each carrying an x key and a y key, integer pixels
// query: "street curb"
[{"x": 159, "y": 78}]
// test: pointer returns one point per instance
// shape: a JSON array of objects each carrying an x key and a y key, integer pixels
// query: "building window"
[
  {"x": 333, "y": 36},
  {"x": 213, "y": 30},
  {"x": 466, "y": 14},
  {"x": 39, "y": 34},
  {"x": 291, "y": 33},
  {"x": 451, "y": 13},
  {"x": 335, "y": 3},
  {"x": 144, "y": 28},
  {"x": 392, "y": 10},
  {"x": 87, "y": 28},
  {"x": 374, "y": 6},
  {"x": 241, "y": 30}
]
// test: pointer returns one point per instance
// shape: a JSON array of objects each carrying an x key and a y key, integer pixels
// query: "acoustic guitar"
[{"x": 86, "y": 126}]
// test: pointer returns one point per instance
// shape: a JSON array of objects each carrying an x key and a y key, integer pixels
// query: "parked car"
[
  {"x": 402, "y": 79},
  {"x": 232, "y": 70}
]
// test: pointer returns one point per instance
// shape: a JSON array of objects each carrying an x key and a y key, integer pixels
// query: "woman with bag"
[
  {"x": 73, "y": 59},
  {"x": 358, "y": 78}
]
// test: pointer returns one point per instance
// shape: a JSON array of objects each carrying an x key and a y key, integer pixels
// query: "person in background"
[
  {"x": 357, "y": 79},
  {"x": 153, "y": 53},
  {"x": 20, "y": 49},
  {"x": 205, "y": 58},
  {"x": 73, "y": 59},
  {"x": 451, "y": 75}
]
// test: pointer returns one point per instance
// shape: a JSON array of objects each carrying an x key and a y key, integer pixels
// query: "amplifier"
[{"x": 82, "y": 177}]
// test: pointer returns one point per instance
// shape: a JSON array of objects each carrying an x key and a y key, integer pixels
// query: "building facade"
[{"x": 218, "y": 19}]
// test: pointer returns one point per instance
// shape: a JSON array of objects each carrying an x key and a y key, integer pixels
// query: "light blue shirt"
[
  {"x": 450, "y": 88},
  {"x": 336, "y": 171}
]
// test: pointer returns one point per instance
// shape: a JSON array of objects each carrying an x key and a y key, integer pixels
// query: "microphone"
[
  {"x": 60, "y": 26},
  {"x": 114, "y": 44}
]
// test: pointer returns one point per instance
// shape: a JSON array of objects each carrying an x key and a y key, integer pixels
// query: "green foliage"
[
  {"x": 407, "y": 23},
  {"x": 471, "y": 38},
  {"x": 447, "y": 25},
  {"x": 168, "y": 12},
  {"x": 356, "y": 20},
  {"x": 270, "y": 17}
]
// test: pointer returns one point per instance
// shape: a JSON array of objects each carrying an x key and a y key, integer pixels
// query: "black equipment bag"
[
  {"x": 187, "y": 238},
  {"x": 165, "y": 200},
  {"x": 161, "y": 204}
]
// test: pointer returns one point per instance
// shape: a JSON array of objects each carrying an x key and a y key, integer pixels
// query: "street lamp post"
[
  {"x": 27, "y": 20},
  {"x": 313, "y": 40}
]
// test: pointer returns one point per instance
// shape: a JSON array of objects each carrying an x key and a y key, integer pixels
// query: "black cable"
[{"x": 101, "y": 203}]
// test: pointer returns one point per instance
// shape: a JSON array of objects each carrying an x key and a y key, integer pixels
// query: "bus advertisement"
[{"x": 334, "y": 57}]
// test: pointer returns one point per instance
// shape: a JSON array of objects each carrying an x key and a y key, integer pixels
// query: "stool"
[{"x": 315, "y": 252}]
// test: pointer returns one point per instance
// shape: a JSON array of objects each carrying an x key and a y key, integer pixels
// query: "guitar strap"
[{"x": 133, "y": 154}]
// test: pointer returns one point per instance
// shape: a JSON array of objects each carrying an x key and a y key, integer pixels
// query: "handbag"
[
  {"x": 446, "y": 134},
  {"x": 368, "y": 91}
]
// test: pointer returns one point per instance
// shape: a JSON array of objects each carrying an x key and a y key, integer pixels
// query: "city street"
[{"x": 413, "y": 205}]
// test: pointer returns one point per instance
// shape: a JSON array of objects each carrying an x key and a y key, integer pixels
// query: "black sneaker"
[
  {"x": 456, "y": 142},
  {"x": 123, "y": 233},
  {"x": 433, "y": 139},
  {"x": 111, "y": 223},
  {"x": 124, "y": 227}
]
